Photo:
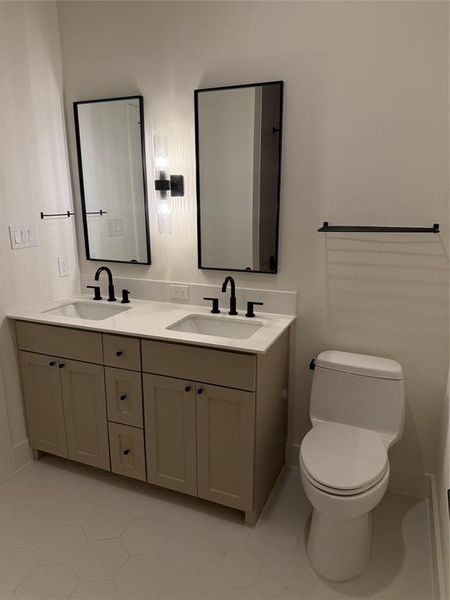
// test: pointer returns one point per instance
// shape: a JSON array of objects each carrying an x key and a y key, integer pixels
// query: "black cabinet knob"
[
  {"x": 126, "y": 451},
  {"x": 123, "y": 397},
  {"x": 52, "y": 363},
  {"x": 62, "y": 365},
  {"x": 119, "y": 353},
  {"x": 187, "y": 388},
  {"x": 200, "y": 391}
]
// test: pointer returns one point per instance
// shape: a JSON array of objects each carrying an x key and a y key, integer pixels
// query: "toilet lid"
[{"x": 343, "y": 457}]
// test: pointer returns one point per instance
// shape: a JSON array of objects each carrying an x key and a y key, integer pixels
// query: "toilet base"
[{"x": 339, "y": 550}]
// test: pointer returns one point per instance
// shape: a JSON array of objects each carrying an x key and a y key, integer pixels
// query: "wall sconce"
[{"x": 165, "y": 184}]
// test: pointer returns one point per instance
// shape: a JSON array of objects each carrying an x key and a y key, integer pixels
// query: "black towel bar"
[{"x": 326, "y": 228}]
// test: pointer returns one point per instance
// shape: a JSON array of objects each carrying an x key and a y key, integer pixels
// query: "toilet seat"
[{"x": 343, "y": 459}]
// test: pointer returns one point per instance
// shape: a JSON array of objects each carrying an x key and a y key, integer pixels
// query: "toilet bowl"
[{"x": 357, "y": 413}]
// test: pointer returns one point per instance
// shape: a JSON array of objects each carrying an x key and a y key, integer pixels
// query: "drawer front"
[
  {"x": 60, "y": 341},
  {"x": 220, "y": 367},
  {"x": 124, "y": 396},
  {"x": 127, "y": 451},
  {"x": 122, "y": 352}
]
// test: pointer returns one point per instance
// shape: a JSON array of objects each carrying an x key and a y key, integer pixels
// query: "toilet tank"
[{"x": 359, "y": 390}]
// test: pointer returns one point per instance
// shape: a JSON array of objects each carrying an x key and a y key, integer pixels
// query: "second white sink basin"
[
  {"x": 217, "y": 326},
  {"x": 86, "y": 310}
]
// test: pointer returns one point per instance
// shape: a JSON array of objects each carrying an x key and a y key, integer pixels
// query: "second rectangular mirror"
[
  {"x": 111, "y": 163},
  {"x": 238, "y": 151}
]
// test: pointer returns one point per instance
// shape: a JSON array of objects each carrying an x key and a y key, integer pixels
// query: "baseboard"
[
  {"x": 21, "y": 453},
  {"x": 291, "y": 454},
  {"x": 18, "y": 457},
  {"x": 439, "y": 586}
]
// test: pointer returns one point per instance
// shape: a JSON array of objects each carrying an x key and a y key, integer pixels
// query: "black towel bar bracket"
[
  {"x": 66, "y": 214},
  {"x": 327, "y": 228},
  {"x": 98, "y": 212}
]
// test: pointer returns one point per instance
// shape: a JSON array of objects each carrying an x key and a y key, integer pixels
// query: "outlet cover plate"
[
  {"x": 63, "y": 266},
  {"x": 179, "y": 292}
]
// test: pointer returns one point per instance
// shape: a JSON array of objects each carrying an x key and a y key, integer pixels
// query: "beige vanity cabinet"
[
  {"x": 83, "y": 393},
  {"x": 43, "y": 402},
  {"x": 204, "y": 421},
  {"x": 225, "y": 445},
  {"x": 170, "y": 432}
]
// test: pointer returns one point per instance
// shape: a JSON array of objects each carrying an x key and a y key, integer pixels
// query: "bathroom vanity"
[{"x": 197, "y": 413}]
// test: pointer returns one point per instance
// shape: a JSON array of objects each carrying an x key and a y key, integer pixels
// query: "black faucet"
[
  {"x": 229, "y": 279},
  {"x": 111, "y": 295}
]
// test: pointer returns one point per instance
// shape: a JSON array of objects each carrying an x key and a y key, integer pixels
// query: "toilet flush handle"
[{"x": 312, "y": 364}]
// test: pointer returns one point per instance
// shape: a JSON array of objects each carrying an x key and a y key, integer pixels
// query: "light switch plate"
[
  {"x": 179, "y": 292},
  {"x": 63, "y": 266},
  {"x": 22, "y": 236}
]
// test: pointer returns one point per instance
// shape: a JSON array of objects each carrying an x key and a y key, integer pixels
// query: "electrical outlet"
[
  {"x": 179, "y": 292},
  {"x": 63, "y": 266}
]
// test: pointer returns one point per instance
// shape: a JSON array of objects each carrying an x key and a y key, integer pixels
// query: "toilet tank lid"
[{"x": 360, "y": 364}]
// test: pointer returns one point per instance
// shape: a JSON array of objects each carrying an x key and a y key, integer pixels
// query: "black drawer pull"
[
  {"x": 200, "y": 391},
  {"x": 123, "y": 397},
  {"x": 119, "y": 353},
  {"x": 187, "y": 388},
  {"x": 126, "y": 451},
  {"x": 52, "y": 363}
]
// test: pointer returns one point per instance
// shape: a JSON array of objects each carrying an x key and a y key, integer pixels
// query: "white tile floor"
[{"x": 67, "y": 531}]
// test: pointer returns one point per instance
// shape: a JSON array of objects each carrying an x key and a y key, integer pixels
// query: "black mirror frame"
[
  {"x": 140, "y": 98},
  {"x": 197, "y": 173}
]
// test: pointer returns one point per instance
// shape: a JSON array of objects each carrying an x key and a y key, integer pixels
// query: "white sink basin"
[
  {"x": 86, "y": 310},
  {"x": 217, "y": 326}
]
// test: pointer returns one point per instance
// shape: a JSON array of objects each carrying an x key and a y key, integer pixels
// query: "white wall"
[
  {"x": 365, "y": 142},
  {"x": 33, "y": 177}
]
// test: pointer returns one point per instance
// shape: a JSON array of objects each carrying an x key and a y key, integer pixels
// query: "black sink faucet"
[
  {"x": 230, "y": 280},
  {"x": 111, "y": 295}
]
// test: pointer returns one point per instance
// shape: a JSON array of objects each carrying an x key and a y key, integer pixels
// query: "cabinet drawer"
[
  {"x": 122, "y": 352},
  {"x": 229, "y": 369},
  {"x": 60, "y": 341},
  {"x": 127, "y": 451},
  {"x": 124, "y": 396}
]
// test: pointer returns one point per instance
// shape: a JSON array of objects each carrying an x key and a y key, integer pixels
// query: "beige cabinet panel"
[
  {"x": 124, "y": 396},
  {"x": 83, "y": 388},
  {"x": 219, "y": 367},
  {"x": 127, "y": 451},
  {"x": 43, "y": 403},
  {"x": 60, "y": 341},
  {"x": 169, "y": 407},
  {"x": 225, "y": 445},
  {"x": 123, "y": 352}
]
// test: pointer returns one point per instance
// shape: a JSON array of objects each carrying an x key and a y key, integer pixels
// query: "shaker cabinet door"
[
  {"x": 83, "y": 388},
  {"x": 43, "y": 403},
  {"x": 169, "y": 406},
  {"x": 225, "y": 445}
]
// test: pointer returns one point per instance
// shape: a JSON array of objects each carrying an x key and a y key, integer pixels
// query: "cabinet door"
[
  {"x": 169, "y": 406},
  {"x": 43, "y": 403},
  {"x": 83, "y": 388},
  {"x": 127, "y": 451},
  {"x": 225, "y": 445}
]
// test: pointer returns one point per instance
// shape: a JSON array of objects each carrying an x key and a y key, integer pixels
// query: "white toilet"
[{"x": 357, "y": 412}]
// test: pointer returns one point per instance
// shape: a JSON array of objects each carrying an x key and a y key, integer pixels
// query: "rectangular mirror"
[
  {"x": 111, "y": 164},
  {"x": 238, "y": 150}
]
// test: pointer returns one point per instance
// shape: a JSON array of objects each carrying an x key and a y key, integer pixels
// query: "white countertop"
[{"x": 149, "y": 319}]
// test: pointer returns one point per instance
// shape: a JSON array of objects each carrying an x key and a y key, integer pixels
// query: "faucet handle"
[
  {"x": 96, "y": 288},
  {"x": 250, "y": 312},
  {"x": 125, "y": 296},
  {"x": 215, "y": 305}
]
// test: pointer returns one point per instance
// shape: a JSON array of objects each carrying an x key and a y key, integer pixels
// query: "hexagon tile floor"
[{"x": 68, "y": 531}]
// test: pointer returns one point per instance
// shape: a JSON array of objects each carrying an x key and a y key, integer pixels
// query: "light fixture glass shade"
[{"x": 161, "y": 165}]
